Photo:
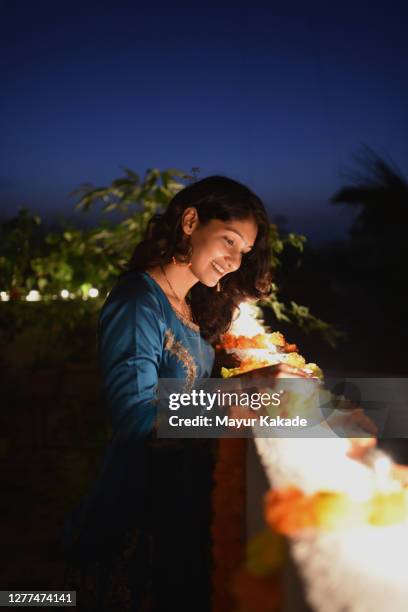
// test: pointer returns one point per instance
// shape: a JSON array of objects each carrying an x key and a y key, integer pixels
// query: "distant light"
[
  {"x": 33, "y": 296},
  {"x": 64, "y": 293},
  {"x": 4, "y": 296},
  {"x": 93, "y": 292}
]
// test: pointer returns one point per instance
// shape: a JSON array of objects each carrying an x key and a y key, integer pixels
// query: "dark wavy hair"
[{"x": 214, "y": 197}]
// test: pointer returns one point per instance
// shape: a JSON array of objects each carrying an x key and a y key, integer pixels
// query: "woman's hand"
[
  {"x": 357, "y": 417},
  {"x": 360, "y": 446}
]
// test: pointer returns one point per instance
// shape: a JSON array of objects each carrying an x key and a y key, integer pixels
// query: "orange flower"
[
  {"x": 230, "y": 341},
  {"x": 289, "y": 510},
  {"x": 290, "y": 348}
]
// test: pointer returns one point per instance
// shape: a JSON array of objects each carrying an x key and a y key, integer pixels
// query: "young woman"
[{"x": 140, "y": 538}]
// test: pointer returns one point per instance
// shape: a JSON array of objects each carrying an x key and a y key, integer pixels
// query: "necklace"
[{"x": 183, "y": 312}]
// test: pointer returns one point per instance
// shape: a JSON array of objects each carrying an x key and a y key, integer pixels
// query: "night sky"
[{"x": 279, "y": 97}]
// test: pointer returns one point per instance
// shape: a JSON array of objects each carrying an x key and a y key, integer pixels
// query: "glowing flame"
[{"x": 248, "y": 323}]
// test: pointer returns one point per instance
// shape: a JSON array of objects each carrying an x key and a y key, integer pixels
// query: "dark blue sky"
[{"x": 279, "y": 97}]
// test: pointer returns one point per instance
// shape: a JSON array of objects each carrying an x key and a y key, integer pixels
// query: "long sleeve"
[
  {"x": 130, "y": 337},
  {"x": 130, "y": 345}
]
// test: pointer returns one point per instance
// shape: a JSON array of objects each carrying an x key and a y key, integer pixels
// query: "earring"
[
  {"x": 187, "y": 263},
  {"x": 181, "y": 265},
  {"x": 218, "y": 287}
]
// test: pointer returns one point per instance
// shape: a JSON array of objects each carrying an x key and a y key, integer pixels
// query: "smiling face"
[{"x": 218, "y": 246}]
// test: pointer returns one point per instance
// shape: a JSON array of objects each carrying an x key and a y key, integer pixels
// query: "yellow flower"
[
  {"x": 276, "y": 338},
  {"x": 295, "y": 360},
  {"x": 388, "y": 509},
  {"x": 315, "y": 370},
  {"x": 228, "y": 372}
]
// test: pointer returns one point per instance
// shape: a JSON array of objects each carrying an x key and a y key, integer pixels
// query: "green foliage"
[
  {"x": 294, "y": 313},
  {"x": 21, "y": 239},
  {"x": 278, "y": 243},
  {"x": 76, "y": 260},
  {"x": 301, "y": 316},
  {"x": 128, "y": 194}
]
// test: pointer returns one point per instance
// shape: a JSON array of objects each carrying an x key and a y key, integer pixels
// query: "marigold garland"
[
  {"x": 257, "y": 586},
  {"x": 289, "y": 510},
  {"x": 228, "y": 524},
  {"x": 251, "y": 589}
]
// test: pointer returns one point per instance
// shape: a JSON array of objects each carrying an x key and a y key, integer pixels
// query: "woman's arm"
[
  {"x": 130, "y": 341},
  {"x": 130, "y": 337}
]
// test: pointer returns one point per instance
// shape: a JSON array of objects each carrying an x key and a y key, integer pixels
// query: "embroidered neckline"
[
  {"x": 178, "y": 314},
  {"x": 186, "y": 321}
]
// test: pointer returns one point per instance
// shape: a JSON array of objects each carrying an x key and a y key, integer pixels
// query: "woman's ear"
[{"x": 190, "y": 220}]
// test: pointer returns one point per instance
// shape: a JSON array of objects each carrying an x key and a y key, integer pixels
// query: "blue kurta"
[{"x": 141, "y": 338}]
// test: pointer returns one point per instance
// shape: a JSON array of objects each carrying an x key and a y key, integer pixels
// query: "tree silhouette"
[
  {"x": 379, "y": 232},
  {"x": 380, "y": 189}
]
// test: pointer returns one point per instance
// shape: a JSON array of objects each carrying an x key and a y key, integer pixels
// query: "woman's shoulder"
[{"x": 134, "y": 291}]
